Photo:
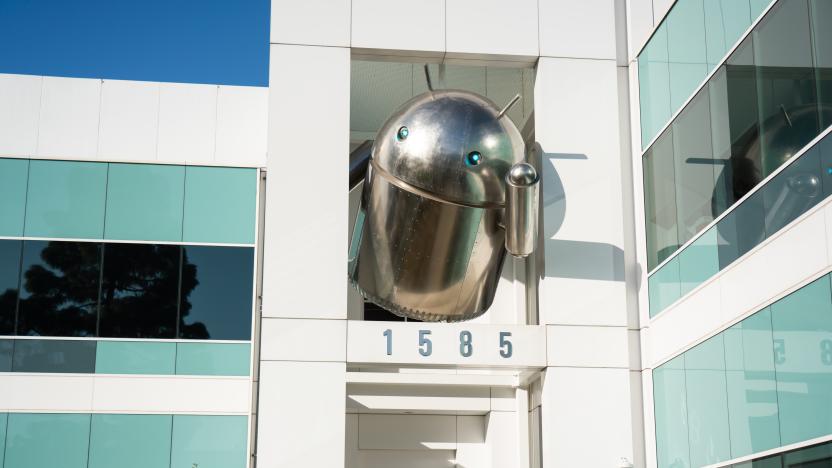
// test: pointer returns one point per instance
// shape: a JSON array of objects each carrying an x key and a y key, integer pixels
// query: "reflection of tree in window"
[{"x": 59, "y": 288}]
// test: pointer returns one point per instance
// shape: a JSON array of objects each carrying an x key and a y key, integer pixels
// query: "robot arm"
[{"x": 522, "y": 187}]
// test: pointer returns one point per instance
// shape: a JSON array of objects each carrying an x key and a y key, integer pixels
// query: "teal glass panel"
[
  {"x": 725, "y": 22},
  {"x": 135, "y": 357},
  {"x": 144, "y": 202},
  {"x": 821, "y": 16},
  {"x": 757, "y": 7},
  {"x": 660, "y": 201},
  {"x": 3, "y": 419},
  {"x": 741, "y": 230},
  {"x": 213, "y": 358},
  {"x": 793, "y": 191},
  {"x": 769, "y": 462},
  {"x": 687, "y": 56},
  {"x": 6, "y": 351},
  {"x": 66, "y": 199},
  {"x": 209, "y": 442},
  {"x": 752, "y": 389},
  {"x": 669, "y": 399},
  {"x": 707, "y": 403},
  {"x": 220, "y": 205},
  {"x": 802, "y": 332},
  {"x": 130, "y": 441},
  {"x": 47, "y": 440},
  {"x": 818, "y": 456},
  {"x": 654, "y": 85},
  {"x": 664, "y": 287},
  {"x": 14, "y": 175},
  {"x": 698, "y": 262}
]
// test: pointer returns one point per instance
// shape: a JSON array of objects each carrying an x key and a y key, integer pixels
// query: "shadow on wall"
[{"x": 568, "y": 258}]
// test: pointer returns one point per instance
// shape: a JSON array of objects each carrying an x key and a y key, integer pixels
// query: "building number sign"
[{"x": 467, "y": 346}]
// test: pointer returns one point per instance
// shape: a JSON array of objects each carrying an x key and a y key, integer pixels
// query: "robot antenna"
[{"x": 507, "y": 106}]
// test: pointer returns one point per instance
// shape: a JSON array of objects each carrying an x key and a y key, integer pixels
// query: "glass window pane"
[
  {"x": 694, "y": 167},
  {"x": 686, "y": 50},
  {"x": 654, "y": 85},
  {"x": 699, "y": 261},
  {"x": 819, "y": 456},
  {"x": 144, "y": 202},
  {"x": 757, "y": 7},
  {"x": 660, "y": 201},
  {"x": 135, "y": 357},
  {"x": 770, "y": 462},
  {"x": 59, "y": 288},
  {"x": 752, "y": 390},
  {"x": 725, "y": 21},
  {"x": 14, "y": 175},
  {"x": 9, "y": 281},
  {"x": 3, "y": 421},
  {"x": 664, "y": 287},
  {"x": 217, "y": 290},
  {"x": 669, "y": 398},
  {"x": 54, "y": 356},
  {"x": 707, "y": 403},
  {"x": 793, "y": 191},
  {"x": 741, "y": 230},
  {"x": 824, "y": 148},
  {"x": 785, "y": 82},
  {"x": 802, "y": 331},
  {"x": 130, "y": 441},
  {"x": 66, "y": 199},
  {"x": 220, "y": 205},
  {"x": 47, "y": 440},
  {"x": 6, "y": 348},
  {"x": 821, "y": 14},
  {"x": 209, "y": 441},
  {"x": 140, "y": 290},
  {"x": 213, "y": 358}
]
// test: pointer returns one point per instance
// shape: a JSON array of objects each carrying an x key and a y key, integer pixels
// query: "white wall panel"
[
  {"x": 471, "y": 450},
  {"x": 19, "y": 114},
  {"x": 399, "y": 25},
  {"x": 129, "y": 124},
  {"x": 584, "y": 29},
  {"x": 363, "y": 398},
  {"x": 172, "y": 395},
  {"x": 242, "y": 125},
  {"x": 301, "y": 418},
  {"x": 303, "y": 340},
  {"x": 586, "y": 417},
  {"x": 406, "y": 432},
  {"x": 578, "y": 346},
  {"x": 311, "y": 22},
  {"x": 660, "y": 9},
  {"x": 69, "y": 111},
  {"x": 42, "y": 392},
  {"x": 492, "y": 27},
  {"x": 639, "y": 25},
  {"x": 694, "y": 317},
  {"x": 187, "y": 123},
  {"x": 577, "y": 125},
  {"x": 305, "y": 266}
]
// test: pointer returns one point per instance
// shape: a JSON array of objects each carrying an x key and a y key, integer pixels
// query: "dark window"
[
  {"x": 217, "y": 290},
  {"x": 59, "y": 288},
  {"x": 660, "y": 200},
  {"x": 741, "y": 230},
  {"x": 793, "y": 191},
  {"x": 6, "y": 347},
  {"x": 140, "y": 290},
  {"x": 9, "y": 281},
  {"x": 54, "y": 356}
]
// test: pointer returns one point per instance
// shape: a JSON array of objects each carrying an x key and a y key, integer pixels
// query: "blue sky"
[{"x": 189, "y": 41}]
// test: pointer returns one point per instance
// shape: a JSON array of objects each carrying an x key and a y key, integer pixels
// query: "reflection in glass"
[
  {"x": 821, "y": 15},
  {"x": 707, "y": 403},
  {"x": 140, "y": 290},
  {"x": 59, "y": 288},
  {"x": 217, "y": 285},
  {"x": 6, "y": 348},
  {"x": 9, "y": 281},
  {"x": 660, "y": 190},
  {"x": 671, "y": 414},
  {"x": 58, "y": 356},
  {"x": 793, "y": 191},
  {"x": 741, "y": 230}
]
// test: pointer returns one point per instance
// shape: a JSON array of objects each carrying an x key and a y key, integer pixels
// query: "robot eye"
[
  {"x": 402, "y": 133},
  {"x": 473, "y": 158}
]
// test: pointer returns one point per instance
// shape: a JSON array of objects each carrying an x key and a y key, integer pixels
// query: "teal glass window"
[
  {"x": 14, "y": 176},
  {"x": 654, "y": 85},
  {"x": 47, "y": 440},
  {"x": 3, "y": 420},
  {"x": 821, "y": 16},
  {"x": 130, "y": 441},
  {"x": 209, "y": 441},
  {"x": 757, "y": 7},
  {"x": 819, "y": 456},
  {"x": 66, "y": 199},
  {"x": 660, "y": 201},
  {"x": 687, "y": 56},
  {"x": 699, "y": 261},
  {"x": 664, "y": 287},
  {"x": 725, "y": 22},
  {"x": 135, "y": 357},
  {"x": 54, "y": 356},
  {"x": 145, "y": 202},
  {"x": 802, "y": 332},
  {"x": 751, "y": 386},
  {"x": 707, "y": 403},
  {"x": 6, "y": 349},
  {"x": 220, "y": 205},
  {"x": 9, "y": 282},
  {"x": 213, "y": 358},
  {"x": 741, "y": 230},
  {"x": 670, "y": 400},
  {"x": 793, "y": 191}
]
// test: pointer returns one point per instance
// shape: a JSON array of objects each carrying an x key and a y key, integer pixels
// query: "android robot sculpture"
[{"x": 446, "y": 193}]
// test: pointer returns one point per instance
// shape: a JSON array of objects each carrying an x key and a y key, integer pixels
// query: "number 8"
[{"x": 466, "y": 346}]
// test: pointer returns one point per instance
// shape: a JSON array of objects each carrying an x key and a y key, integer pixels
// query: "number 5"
[
  {"x": 506, "y": 349},
  {"x": 425, "y": 346}
]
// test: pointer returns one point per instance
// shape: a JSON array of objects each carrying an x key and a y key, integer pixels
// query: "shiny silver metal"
[
  {"x": 428, "y": 241},
  {"x": 522, "y": 187}
]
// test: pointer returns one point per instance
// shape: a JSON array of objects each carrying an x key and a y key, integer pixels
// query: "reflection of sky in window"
[
  {"x": 222, "y": 299},
  {"x": 189, "y": 41}
]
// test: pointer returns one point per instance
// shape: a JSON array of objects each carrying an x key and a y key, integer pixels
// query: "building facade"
[{"x": 176, "y": 215}]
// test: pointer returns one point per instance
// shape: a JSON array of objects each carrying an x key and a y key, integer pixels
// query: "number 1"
[{"x": 389, "y": 334}]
